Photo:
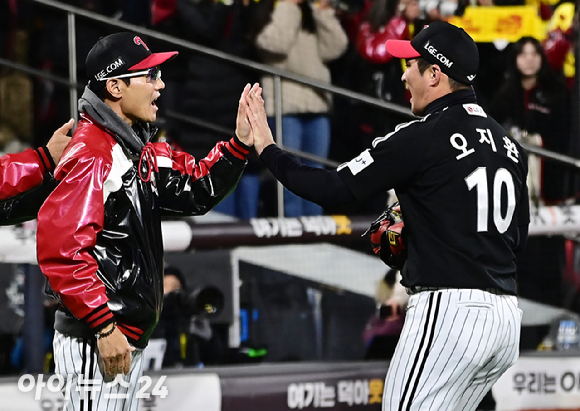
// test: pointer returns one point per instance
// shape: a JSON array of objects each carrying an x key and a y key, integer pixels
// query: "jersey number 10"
[{"x": 502, "y": 177}]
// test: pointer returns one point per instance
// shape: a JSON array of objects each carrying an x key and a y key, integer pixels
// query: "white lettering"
[
  {"x": 109, "y": 69},
  {"x": 461, "y": 145},
  {"x": 439, "y": 56}
]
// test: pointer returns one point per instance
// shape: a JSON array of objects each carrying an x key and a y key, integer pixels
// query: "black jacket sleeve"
[
  {"x": 25, "y": 206},
  {"x": 323, "y": 187}
]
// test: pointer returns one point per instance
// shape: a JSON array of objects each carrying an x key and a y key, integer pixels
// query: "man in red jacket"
[{"x": 99, "y": 234}]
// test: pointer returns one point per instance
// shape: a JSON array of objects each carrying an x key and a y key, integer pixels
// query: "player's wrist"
[
  {"x": 106, "y": 331},
  {"x": 261, "y": 147}
]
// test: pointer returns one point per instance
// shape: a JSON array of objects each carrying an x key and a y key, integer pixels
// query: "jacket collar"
[
  {"x": 132, "y": 139},
  {"x": 457, "y": 97}
]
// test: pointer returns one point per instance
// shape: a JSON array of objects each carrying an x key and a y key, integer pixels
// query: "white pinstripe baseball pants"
[
  {"x": 76, "y": 360},
  {"x": 454, "y": 346}
]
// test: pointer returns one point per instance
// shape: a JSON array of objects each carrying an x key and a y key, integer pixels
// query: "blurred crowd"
[{"x": 527, "y": 85}]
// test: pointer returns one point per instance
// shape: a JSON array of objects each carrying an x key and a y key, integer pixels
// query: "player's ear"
[
  {"x": 114, "y": 87},
  {"x": 434, "y": 75}
]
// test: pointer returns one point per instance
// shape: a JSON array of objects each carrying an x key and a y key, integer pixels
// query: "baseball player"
[
  {"x": 99, "y": 232},
  {"x": 461, "y": 182}
]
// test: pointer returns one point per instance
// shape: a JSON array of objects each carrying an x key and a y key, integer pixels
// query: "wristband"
[{"x": 106, "y": 333}]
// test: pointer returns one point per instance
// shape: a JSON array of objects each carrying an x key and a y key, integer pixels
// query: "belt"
[{"x": 418, "y": 289}]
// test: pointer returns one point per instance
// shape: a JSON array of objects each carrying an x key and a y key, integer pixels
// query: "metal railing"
[{"x": 278, "y": 74}]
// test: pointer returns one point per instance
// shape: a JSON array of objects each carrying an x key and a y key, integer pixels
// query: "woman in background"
[
  {"x": 301, "y": 37},
  {"x": 533, "y": 105}
]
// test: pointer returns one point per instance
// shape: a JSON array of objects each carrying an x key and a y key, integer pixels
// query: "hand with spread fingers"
[{"x": 258, "y": 120}]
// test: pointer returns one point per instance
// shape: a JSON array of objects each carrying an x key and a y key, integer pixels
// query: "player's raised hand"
[
  {"x": 243, "y": 130},
  {"x": 258, "y": 120},
  {"x": 59, "y": 140}
]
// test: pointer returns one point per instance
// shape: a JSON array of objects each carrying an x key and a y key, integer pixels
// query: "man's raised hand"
[{"x": 256, "y": 114}]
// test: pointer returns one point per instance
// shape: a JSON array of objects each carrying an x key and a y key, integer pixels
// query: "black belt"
[{"x": 417, "y": 289}]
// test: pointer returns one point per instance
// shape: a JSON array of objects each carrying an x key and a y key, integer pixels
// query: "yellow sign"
[
  {"x": 342, "y": 224},
  {"x": 486, "y": 24}
]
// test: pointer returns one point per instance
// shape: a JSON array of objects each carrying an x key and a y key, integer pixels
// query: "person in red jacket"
[
  {"x": 99, "y": 239},
  {"x": 386, "y": 20},
  {"x": 379, "y": 73},
  {"x": 21, "y": 173}
]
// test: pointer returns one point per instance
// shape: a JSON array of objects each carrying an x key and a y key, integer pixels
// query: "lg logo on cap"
[
  {"x": 137, "y": 40},
  {"x": 109, "y": 69},
  {"x": 433, "y": 51}
]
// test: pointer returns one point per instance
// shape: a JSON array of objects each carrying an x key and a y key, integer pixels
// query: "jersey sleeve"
[
  {"x": 68, "y": 224},
  {"x": 392, "y": 161},
  {"x": 191, "y": 187},
  {"x": 23, "y": 171}
]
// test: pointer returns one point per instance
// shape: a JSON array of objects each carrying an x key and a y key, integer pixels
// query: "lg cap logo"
[
  {"x": 433, "y": 51},
  {"x": 109, "y": 69},
  {"x": 137, "y": 40}
]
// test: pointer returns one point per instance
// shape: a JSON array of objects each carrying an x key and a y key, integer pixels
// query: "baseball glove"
[{"x": 388, "y": 237}]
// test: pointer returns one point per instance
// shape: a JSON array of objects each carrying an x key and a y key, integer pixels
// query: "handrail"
[
  {"x": 169, "y": 113},
  {"x": 224, "y": 56},
  {"x": 561, "y": 158},
  {"x": 276, "y": 72}
]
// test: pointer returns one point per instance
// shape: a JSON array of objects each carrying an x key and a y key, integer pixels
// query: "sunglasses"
[{"x": 153, "y": 74}]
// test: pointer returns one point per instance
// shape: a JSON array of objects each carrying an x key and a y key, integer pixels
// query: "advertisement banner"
[
  {"x": 336, "y": 389},
  {"x": 486, "y": 24},
  {"x": 540, "y": 383}
]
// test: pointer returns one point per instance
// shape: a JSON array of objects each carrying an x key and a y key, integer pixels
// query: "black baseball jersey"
[{"x": 461, "y": 182}]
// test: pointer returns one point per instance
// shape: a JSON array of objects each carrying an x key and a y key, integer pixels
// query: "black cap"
[
  {"x": 443, "y": 44},
  {"x": 118, "y": 54}
]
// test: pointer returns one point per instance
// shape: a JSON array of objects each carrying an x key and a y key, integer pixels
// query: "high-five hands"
[
  {"x": 243, "y": 130},
  {"x": 256, "y": 115}
]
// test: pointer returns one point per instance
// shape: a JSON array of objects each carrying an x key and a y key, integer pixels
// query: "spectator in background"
[
  {"x": 383, "y": 330},
  {"x": 493, "y": 55},
  {"x": 380, "y": 73},
  {"x": 559, "y": 42},
  {"x": 533, "y": 105},
  {"x": 386, "y": 20},
  {"x": 208, "y": 87},
  {"x": 301, "y": 37}
]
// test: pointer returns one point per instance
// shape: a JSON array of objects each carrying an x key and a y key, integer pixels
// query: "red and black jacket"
[{"x": 99, "y": 232}]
